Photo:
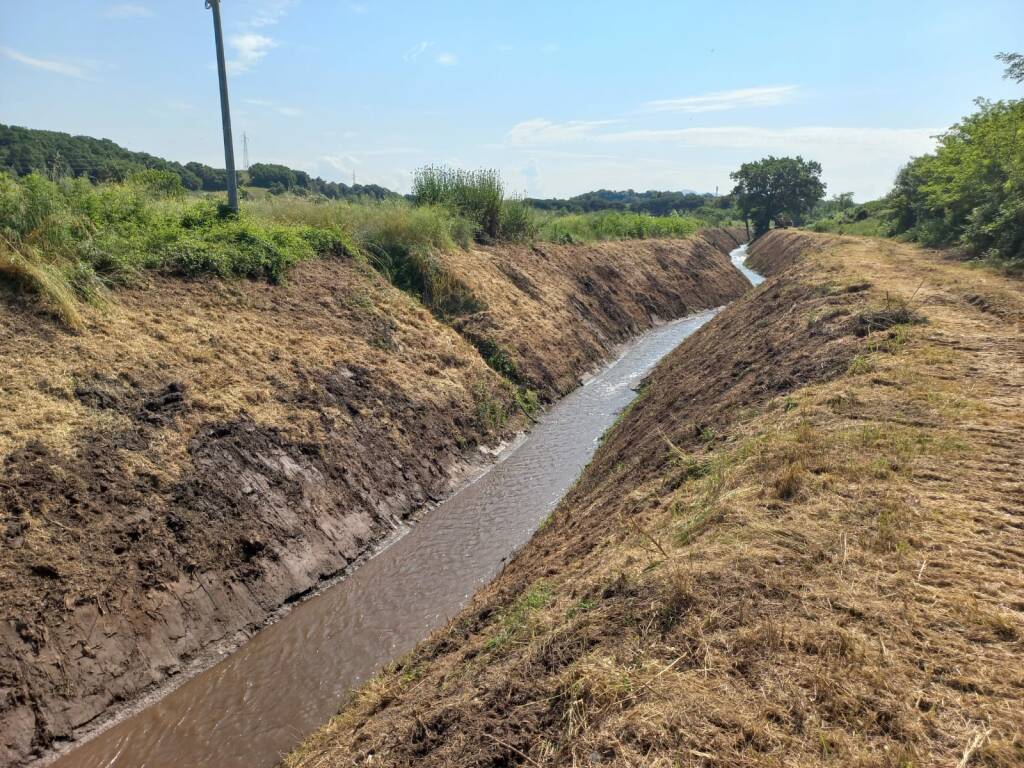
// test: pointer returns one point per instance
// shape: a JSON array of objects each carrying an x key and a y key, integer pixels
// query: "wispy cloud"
[
  {"x": 359, "y": 8},
  {"x": 900, "y": 141},
  {"x": 249, "y": 49},
  {"x": 907, "y": 140},
  {"x": 417, "y": 50},
  {"x": 270, "y": 12},
  {"x": 47, "y": 65},
  {"x": 541, "y": 131},
  {"x": 279, "y": 108},
  {"x": 444, "y": 58},
  {"x": 720, "y": 101},
  {"x": 129, "y": 11}
]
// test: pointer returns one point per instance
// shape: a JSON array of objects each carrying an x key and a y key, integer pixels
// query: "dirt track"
[
  {"x": 801, "y": 547},
  {"x": 207, "y": 451}
]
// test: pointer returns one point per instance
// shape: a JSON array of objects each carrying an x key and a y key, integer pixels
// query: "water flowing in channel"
[{"x": 289, "y": 679}]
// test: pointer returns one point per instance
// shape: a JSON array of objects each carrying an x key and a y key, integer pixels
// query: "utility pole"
[
  {"x": 245, "y": 151},
  {"x": 225, "y": 108}
]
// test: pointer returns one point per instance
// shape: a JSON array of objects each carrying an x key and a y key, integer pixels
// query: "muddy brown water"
[{"x": 259, "y": 702}]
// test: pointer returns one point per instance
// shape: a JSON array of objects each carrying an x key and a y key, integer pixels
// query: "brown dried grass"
[{"x": 855, "y": 599}]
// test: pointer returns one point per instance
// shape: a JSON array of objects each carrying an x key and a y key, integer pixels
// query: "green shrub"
[
  {"x": 970, "y": 192},
  {"x": 519, "y": 222},
  {"x": 616, "y": 225}
]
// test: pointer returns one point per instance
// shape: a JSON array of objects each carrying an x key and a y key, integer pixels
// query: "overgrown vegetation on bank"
[
  {"x": 615, "y": 225},
  {"x": 67, "y": 239},
  {"x": 969, "y": 193}
]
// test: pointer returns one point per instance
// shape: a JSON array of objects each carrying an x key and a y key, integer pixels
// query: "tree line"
[
  {"x": 652, "y": 202},
  {"x": 54, "y": 154}
]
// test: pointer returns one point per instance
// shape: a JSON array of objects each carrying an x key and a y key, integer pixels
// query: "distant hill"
[
  {"x": 653, "y": 202},
  {"x": 26, "y": 150}
]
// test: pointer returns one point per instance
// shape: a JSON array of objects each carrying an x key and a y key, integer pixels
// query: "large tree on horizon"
[{"x": 777, "y": 190}]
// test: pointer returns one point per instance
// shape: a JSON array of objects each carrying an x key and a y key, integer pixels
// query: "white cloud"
[
  {"x": 249, "y": 49},
  {"x": 250, "y": 45},
  {"x": 343, "y": 164},
  {"x": 541, "y": 131},
  {"x": 280, "y": 109},
  {"x": 129, "y": 11},
  {"x": 532, "y": 178},
  {"x": 359, "y": 8},
  {"x": 447, "y": 59},
  {"x": 417, "y": 50},
  {"x": 905, "y": 140},
  {"x": 720, "y": 101},
  {"x": 47, "y": 65},
  {"x": 270, "y": 12}
]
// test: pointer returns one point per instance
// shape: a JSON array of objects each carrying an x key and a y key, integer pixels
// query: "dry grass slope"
[
  {"x": 802, "y": 547},
  {"x": 202, "y": 451}
]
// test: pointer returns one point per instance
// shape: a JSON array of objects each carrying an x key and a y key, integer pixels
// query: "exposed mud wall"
[{"x": 205, "y": 452}]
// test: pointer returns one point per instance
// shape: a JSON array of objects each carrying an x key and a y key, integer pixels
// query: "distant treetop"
[{"x": 653, "y": 202}]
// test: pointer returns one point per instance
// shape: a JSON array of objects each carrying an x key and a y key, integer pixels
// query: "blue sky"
[{"x": 562, "y": 97}]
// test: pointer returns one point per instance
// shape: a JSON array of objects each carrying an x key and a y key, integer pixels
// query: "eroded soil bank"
[
  {"x": 801, "y": 546},
  {"x": 206, "y": 452}
]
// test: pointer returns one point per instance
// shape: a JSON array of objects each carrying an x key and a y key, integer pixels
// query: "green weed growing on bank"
[
  {"x": 68, "y": 240},
  {"x": 615, "y": 225}
]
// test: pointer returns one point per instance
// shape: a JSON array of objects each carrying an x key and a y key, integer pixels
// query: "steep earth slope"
[
  {"x": 574, "y": 299},
  {"x": 801, "y": 547},
  {"x": 206, "y": 452}
]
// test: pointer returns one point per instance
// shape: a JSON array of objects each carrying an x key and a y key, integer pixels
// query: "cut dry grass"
[{"x": 846, "y": 590}]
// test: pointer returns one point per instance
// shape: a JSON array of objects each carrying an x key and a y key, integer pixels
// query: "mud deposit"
[{"x": 290, "y": 678}]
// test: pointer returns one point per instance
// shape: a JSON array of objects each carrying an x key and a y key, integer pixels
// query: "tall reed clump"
[{"x": 476, "y": 195}]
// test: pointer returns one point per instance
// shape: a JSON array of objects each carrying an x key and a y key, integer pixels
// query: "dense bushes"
[{"x": 970, "y": 192}]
